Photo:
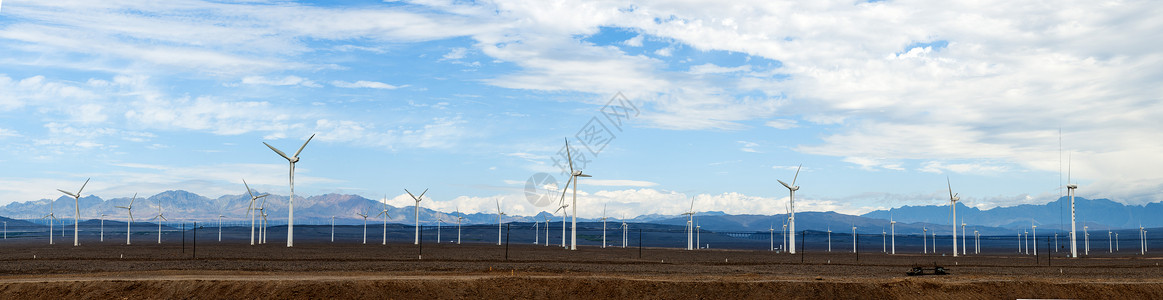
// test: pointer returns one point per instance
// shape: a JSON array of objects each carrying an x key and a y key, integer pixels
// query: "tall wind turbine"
[
  {"x": 690, "y": 229},
  {"x": 573, "y": 175},
  {"x": 159, "y": 223},
  {"x": 925, "y": 240},
  {"x": 965, "y": 250},
  {"x": 500, "y": 213},
  {"x": 250, "y": 208},
  {"x": 771, "y": 236},
  {"x": 1070, "y": 187},
  {"x": 953, "y": 209},
  {"x": 50, "y": 216},
  {"x": 892, "y": 228},
  {"x": 417, "y": 216},
  {"x": 262, "y": 222},
  {"x": 130, "y": 223},
  {"x": 291, "y": 201},
  {"x": 460, "y": 217},
  {"x": 102, "y": 227},
  {"x": 384, "y": 213},
  {"x": 220, "y": 227},
  {"x": 439, "y": 222},
  {"x": 624, "y": 228},
  {"x": 332, "y": 229},
  {"x": 792, "y": 188},
  {"x": 603, "y": 226},
  {"x": 364, "y": 215},
  {"x": 77, "y": 213},
  {"x": 1035, "y": 229}
]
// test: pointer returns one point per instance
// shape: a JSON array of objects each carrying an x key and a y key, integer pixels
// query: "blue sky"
[{"x": 879, "y": 101}]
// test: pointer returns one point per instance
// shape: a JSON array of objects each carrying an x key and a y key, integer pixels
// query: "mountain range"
[{"x": 1098, "y": 214}]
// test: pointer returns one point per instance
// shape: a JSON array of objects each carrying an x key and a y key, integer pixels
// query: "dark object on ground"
[{"x": 918, "y": 271}]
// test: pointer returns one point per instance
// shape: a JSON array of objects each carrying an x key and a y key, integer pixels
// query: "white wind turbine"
[
  {"x": 250, "y": 209},
  {"x": 603, "y": 226},
  {"x": 332, "y": 229},
  {"x": 698, "y": 235},
  {"x": 536, "y": 232},
  {"x": 417, "y": 216},
  {"x": 159, "y": 223},
  {"x": 965, "y": 250},
  {"x": 792, "y": 188},
  {"x": 102, "y": 227},
  {"x": 624, "y": 228},
  {"x": 439, "y": 221},
  {"x": 499, "y": 215},
  {"x": 564, "y": 216},
  {"x": 1034, "y": 228},
  {"x": 291, "y": 201},
  {"x": 953, "y": 209},
  {"x": 1086, "y": 240},
  {"x": 925, "y": 240},
  {"x": 51, "y": 217},
  {"x": 265, "y": 229},
  {"x": 77, "y": 213},
  {"x": 129, "y": 209},
  {"x": 690, "y": 230},
  {"x": 771, "y": 235},
  {"x": 829, "y": 238},
  {"x": 384, "y": 213},
  {"x": 460, "y": 217},
  {"x": 364, "y": 215},
  {"x": 547, "y": 231},
  {"x": 854, "y": 239},
  {"x": 1070, "y": 187},
  {"x": 573, "y": 176},
  {"x": 220, "y": 227},
  {"x": 892, "y": 228}
]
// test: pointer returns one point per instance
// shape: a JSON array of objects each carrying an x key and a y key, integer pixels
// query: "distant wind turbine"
[
  {"x": 50, "y": 216},
  {"x": 77, "y": 213},
  {"x": 159, "y": 223},
  {"x": 460, "y": 217},
  {"x": 573, "y": 176},
  {"x": 291, "y": 201},
  {"x": 500, "y": 214},
  {"x": 1070, "y": 187},
  {"x": 102, "y": 227},
  {"x": 384, "y": 213},
  {"x": 129, "y": 209},
  {"x": 892, "y": 228},
  {"x": 953, "y": 209},
  {"x": 624, "y": 228},
  {"x": 364, "y": 215},
  {"x": 250, "y": 209},
  {"x": 792, "y": 188},
  {"x": 417, "y": 216},
  {"x": 690, "y": 229},
  {"x": 603, "y": 227}
]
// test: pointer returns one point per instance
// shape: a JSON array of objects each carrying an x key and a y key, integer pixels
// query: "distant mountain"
[
  {"x": 1099, "y": 214},
  {"x": 179, "y": 205}
]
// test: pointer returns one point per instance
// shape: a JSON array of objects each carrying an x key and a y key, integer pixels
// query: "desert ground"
[{"x": 317, "y": 268}]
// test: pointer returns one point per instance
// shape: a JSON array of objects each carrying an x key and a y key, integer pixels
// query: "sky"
[{"x": 663, "y": 102}]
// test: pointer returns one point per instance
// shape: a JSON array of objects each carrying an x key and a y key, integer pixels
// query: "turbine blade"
[
  {"x": 421, "y": 197},
  {"x": 284, "y": 155},
  {"x": 793, "y": 179},
  {"x": 562, "y": 201},
  {"x": 68, "y": 193},
  {"x": 410, "y": 194},
  {"x": 131, "y": 200},
  {"x": 569, "y": 156},
  {"x": 247, "y": 188},
  {"x": 83, "y": 187},
  {"x": 304, "y": 145},
  {"x": 784, "y": 184},
  {"x": 950, "y": 183}
]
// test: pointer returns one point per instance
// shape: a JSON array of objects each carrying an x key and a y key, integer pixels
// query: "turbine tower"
[
  {"x": 54, "y": 216},
  {"x": 291, "y": 201},
  {"x": 364, "y": 215},
  {"x": 384, "y": 213},
  {"x": 792, "y": 188},
  {"x": 603, "y": 227},
  {"x": 250, "y": 208},
  {"x": 460, "y": 217},
  {"x": 690, "y": 229},
  {"x": 159, "y": 223},
  {"x": 130, "y": 223},
  {"x": 1070, "y": 187},
  {"x": 892, "y": 228},
  {"x": 417, "y": 216},
  {"x": 77, "y": 213},
  {"x": 499, "y": 215},
  {"x": 953, "y": 209},
  {"x": 573, "y": 175}
]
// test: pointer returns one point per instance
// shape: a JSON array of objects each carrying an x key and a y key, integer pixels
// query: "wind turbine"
[
  {"x": 546, "y": 231},
  {"x": 417, "y": 217},
  {"x": 624, "y": 228},
  {"x": 976, "y": 242},
  {"x": 439, "y": 221},
  {"x": 384, "y": 213},
  {"x": 102, "y": 227},
  {"x": 536, "y": 232},
  {"x": 690, "y": 230},
  {"x": 953, "y": 209},
  {"x": 698, "y": 235},
  {"x": 332, "y": 229},
  {"x": 52, "y": 217},
  {"x": 220, "y": 227},
  {"x": 925, "y": 240},
  {"x": 603, "y": 227},
  {"x": 792, "y": 188},
  {"x": 364, "y": 215},
  {"x": 853, "y": 239},
  {"x": 892, "y": 228},
  {"x": 1110, "y": 244},
  {"x": 1070, "y": 187},
  {"x": 829, "y": 238},
  {"x": 771, "y": 235},
  {"x": 77, "y": 214},
  {"x": 262, "y": 222},
  {"x": 460, "y": 217},
  {"x": 291, "y": 201},
  {"x": 564, "y": 215},
  {"x": 965, "y": 250},
  {"x": 250, "y": 208},
  {"x": 130, "y": 223},
  {"x": 159, "y": 223},
  {"x": 573, "y": 175},
  {"x": 499, "y": 215},
  {"x": 1086, "y": 240},
  {"x": 265, "y": 224},
  {"x": 1034, "y": 228}
]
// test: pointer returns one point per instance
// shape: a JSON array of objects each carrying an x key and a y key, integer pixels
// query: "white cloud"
[
  {"x": 782, "y": 124},
  {"x": 617, "y": 182},
  {"x": 288, "y": 80},
  {"x": 749, "y": 147},
  {"x": 716, "y": 69},
  {"x": 965, "y": 168},
  {"x": 455, "y": 54},
  {"x": 366, "y": 84},
  {"x": 635, "y": 41}
]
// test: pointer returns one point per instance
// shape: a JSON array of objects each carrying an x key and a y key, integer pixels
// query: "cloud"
[
  {"x": 782, "y": 124},
  {"x": 617, "y": 182},
  {"x": 970, "y": 168},
  {"x": 285, "y": 81},
  {"x": 635, "y": 41},
  {"x": 715, "y": 69},
  {"x": 748, "y": 147},
  {"x": 365, "y": 84}
]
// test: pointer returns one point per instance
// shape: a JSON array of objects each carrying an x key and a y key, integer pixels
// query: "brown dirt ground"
[{"x": 345, "y": 271}]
